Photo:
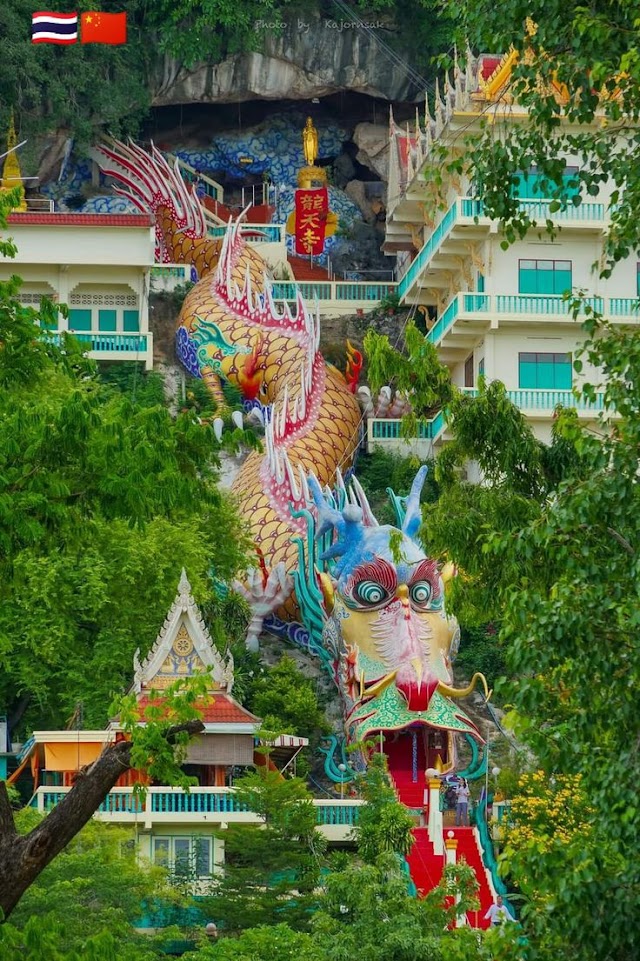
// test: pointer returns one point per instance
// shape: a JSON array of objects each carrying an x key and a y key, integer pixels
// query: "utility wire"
[{"x": 417, "y": 79}]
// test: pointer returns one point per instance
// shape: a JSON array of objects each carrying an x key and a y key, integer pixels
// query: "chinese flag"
[{"x": 103, "y": 28}]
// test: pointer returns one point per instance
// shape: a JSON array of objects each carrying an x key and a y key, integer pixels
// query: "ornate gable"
[{"x": 182, "y": 648}]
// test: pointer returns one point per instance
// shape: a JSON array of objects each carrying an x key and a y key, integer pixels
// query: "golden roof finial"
[{"x": 11, "y": 174}]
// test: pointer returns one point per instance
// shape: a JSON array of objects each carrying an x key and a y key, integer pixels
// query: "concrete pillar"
[
  {"x": 435, "y": 816},
  {"x": 451, "y": 857},
  {"x": 451, "y": 848}
]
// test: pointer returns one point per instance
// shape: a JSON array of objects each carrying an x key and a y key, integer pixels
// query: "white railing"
[
  {"x": 540, "y": 306},
  {"x": 169, "y": 804}
]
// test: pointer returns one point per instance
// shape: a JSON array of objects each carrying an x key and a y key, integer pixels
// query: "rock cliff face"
[{"x": 312, "y": 57}]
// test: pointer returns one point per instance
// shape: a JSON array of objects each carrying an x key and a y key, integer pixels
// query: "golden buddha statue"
[{"x": 310, "y": 142}]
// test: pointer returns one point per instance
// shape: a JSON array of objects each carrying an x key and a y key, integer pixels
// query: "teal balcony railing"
[
  {"x": 540, "y": 304},
  {"x": 253, "y": 233},
  {"x": 528, "y": 305},
  {"x": 383, "y": 429},
  {"x": 107, "y": 343},
  {"x": 548, "y": 400},
  {"x": 123, "y": 804},
  {"x": 469, "y": 209},
  {"x": 354, "y": 291},
  {"x": 462, "y": 207}
]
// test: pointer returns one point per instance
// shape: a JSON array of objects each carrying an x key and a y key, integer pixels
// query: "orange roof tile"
[
  {"x": 81, "y": 220},
  {"x": 223, "y": 709}
]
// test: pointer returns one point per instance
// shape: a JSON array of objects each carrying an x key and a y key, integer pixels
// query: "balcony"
[
  {"x": 468, "y": 316},
  {"x": 541, "y": 404},
  {"x": 254, "y": 233},
  {"x": 105, "y": 347},
  {"x": 202, "y": 805},
  {"x": 335, "y": 297},
  {"x": 385, "y": 434},
  {"x": 465, "y": 221}
]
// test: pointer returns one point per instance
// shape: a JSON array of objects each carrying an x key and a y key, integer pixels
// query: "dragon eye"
[
  {"x": 421, "y": 593},
  {"x": 370, "y": 593}
]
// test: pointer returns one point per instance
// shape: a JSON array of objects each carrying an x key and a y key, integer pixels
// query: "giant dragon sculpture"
[{"x": 363, "y": 598}]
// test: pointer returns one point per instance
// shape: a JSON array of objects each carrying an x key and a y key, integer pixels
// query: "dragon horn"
[
  {"x": 413, "y": 515},
  {"x": 464, "y": 691}
]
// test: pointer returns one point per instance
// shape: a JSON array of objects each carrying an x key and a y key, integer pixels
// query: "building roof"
[
  {"x": 182, "y": 648},
  {"x": 305, "y": 271},
  {"x": 30, "y": 218},
  {"x": 223, "y": 709}
]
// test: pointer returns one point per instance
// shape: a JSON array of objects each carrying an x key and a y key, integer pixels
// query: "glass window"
[
  {"x": 530, "y": 185},
  {"x": 182, "y": 855},
  {"x": 544, "y": 276},
  {"x": 542, "y": 371},
  {"x": 203, "y": 857},
  {"x": 107, "y": 320},
  {"x": 161, "y": 852},
  {"x": 638, "y": 280},
  {"x": 481, "y": 368},
  {"x": 480, "y": 283},
  {"x": 131, "y": 321},
  {"x": 79, "y": 319},
  {"x": 468, "y": 371}
]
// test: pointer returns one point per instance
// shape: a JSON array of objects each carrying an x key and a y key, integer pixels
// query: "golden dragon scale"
[{"x": 230, "y": 328}]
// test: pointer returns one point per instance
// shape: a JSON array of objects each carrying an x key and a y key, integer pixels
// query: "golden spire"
[{"x": 11, "y": 174}]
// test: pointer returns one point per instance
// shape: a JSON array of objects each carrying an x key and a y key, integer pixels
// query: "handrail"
[
  {"x": 469, "y": 208},
  {"x": 539, "y": 305}
]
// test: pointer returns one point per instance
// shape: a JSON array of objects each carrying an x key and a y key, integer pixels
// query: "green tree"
[
  {"x": 89, "y": 899},
  {"x": 286, "y": 700},
  {"x": 271, "y": 872},
  {"x": 551, "y": 554},
  {"x": 102, "y": 501},
  {"x": 384, "y": 825}
]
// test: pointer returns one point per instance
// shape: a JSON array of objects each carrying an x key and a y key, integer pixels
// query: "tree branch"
[
  {"x": 22, "y": 859},
  {"x": 7, "y": 824},
  {"x": 622, "y": 541}
]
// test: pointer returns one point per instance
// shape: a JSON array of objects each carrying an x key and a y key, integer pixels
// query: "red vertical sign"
[{"x": 312, "y": 207}]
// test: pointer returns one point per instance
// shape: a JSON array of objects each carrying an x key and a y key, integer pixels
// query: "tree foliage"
[
  {"x": 86, "y": 903},
  {"x": 590, "y": 52},
  {"x": 102, "y": 501}
]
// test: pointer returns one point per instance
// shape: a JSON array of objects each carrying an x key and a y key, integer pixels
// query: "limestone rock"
[
  {"x": 312, "y": 57},
  {"x": 372, "y": 140},
  {"x": 355, "y": 191}
]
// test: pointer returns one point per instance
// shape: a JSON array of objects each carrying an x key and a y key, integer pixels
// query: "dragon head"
[{"x": 386, "y": 624}]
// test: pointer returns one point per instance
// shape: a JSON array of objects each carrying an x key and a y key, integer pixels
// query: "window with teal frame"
[
  {"x": 544, "y": 276},
  {"x": 131, "y": 321},
  {"x": 79, "y": 320},
  {"x": 529, "y": 185},
  {"x": 638, "y": 280},
  {"x": 107, "y": 321},
  {"x": 480, "y": 283},
  {"x": 542, "y": 371}
]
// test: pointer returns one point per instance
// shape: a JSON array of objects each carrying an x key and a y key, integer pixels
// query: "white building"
[
  {"x": 494, "y": 312},
  {"x": 99, "y": 266}
]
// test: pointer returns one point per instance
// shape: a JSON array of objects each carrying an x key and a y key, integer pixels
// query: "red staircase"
[
  {"x": 469, "y": 850},
  {"x": 426, "y": 867},
  {"x": 407, "y": 761}
]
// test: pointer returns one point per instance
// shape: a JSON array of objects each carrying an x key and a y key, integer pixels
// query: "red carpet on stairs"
[
  {"x": 425, "y": 866},
  {"x": 469, "y": 850},
  {"x": 407, "y": 763}
]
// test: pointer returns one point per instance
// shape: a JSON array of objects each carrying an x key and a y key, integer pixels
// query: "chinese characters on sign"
[{"x": 312, "y": 207}]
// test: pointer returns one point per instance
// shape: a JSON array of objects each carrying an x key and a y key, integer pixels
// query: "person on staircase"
[
  {"x": 498, "y": 913},
  {"x": 462, "y": 803}
]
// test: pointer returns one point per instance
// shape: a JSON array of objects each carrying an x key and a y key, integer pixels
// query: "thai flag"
[{"x": 47, "y": 27}]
